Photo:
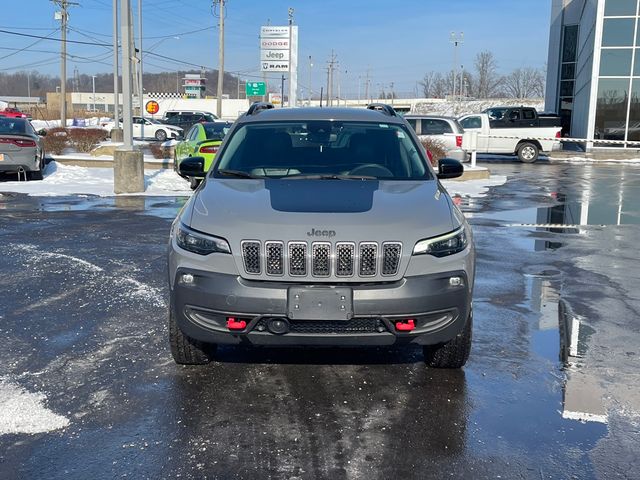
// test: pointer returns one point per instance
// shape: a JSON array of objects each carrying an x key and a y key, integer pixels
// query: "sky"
[{"x": 396, "y": 42}]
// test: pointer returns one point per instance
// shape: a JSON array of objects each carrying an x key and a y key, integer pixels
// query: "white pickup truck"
[{"x": 525, "y": 133}]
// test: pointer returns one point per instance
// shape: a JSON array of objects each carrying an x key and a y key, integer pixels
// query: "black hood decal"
[{"x": 322, "y": 196}]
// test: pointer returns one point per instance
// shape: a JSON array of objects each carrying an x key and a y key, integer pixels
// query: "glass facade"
[
  {"x": 568, "y": 75},
  {"x": 617, "y": 106}
]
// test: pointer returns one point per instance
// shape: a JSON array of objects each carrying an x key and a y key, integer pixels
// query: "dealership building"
[{"x": 593, "y": 78}]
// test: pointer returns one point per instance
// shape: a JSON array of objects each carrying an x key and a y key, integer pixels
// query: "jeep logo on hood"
[{"x": 321, "y": 233}]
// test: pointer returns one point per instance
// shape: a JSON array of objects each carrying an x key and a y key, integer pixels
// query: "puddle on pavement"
[
  {"x": 559, "y": 336},
  {"x": 163, "y": 207}
]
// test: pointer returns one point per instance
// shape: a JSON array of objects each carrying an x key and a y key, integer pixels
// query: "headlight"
[
  {"x": 448, "y": 244},
  {"x": 200, "y": 243}
]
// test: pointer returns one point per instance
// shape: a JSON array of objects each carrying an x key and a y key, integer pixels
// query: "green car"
[{"x": 202, "y": 140}]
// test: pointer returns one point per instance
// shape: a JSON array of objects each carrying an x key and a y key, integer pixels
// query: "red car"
[{"x": 12, "y": 113}]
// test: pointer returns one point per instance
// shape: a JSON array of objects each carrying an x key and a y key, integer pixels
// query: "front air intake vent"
[
  {"x": 251, "y": 256},
  {"x": 368, "y": 259},
  {"x": 274, "y": 252},
  {"x": 297, "y": 259}
]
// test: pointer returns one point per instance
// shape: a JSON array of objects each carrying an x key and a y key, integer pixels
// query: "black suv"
[{"x": 187, "y": 119}]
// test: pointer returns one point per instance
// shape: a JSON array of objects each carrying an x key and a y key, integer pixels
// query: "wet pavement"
[{"x": 551, "y": 391}]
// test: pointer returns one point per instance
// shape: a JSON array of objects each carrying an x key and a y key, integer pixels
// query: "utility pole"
[
  {"x": 93, "y": 89},
  {"x": 392, "y": 93},
  {"x": 128, "y": 165},
  {"x": 282, "y": 92},
  {"x": 140, "y": 83},
  {"x": 366, "y": 86},
  {"x": 456, "y": 40},
  {"x": 116, "y": 133},
  {"x": 220, "y": 54},
  {"x": 63, "y": 16},
  {"x": 309, "y": 85},
  {"x": 290, "y": 12},
  {"x": 332, "y": 65}
]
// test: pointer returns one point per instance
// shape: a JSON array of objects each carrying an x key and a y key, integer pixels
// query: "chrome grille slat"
[
  {"x": 391, "y": 256},
  {"x": 274, "y": 257},
  {"x": 251, "y": 256},
  {"x": 321, "y": 259},
  {"x": 345, "y": 259},
  {"x": 368, "y": 259},
  {"x": 297, "y": 259}
]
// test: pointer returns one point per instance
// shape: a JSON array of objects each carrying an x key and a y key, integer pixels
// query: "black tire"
[
  {"x": 528, "y": 152},
  {"x": 37, "y": 174},
  {"x": 194, "y": 182},
  {"x": 186, "y": 350},
  {"x": 454, "y": 353},
  {"x": 161, "y": 135}
]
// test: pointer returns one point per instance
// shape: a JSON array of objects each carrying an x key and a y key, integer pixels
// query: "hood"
[
  {"x": 240, "y": 209},
  {"x": 320, "y": 211}
]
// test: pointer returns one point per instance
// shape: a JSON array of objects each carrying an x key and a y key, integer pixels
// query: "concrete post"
[
  {"x": 128, "y": 163},
  {"x": 128, "y": 171},
  {"x": 117, "y": 135}
]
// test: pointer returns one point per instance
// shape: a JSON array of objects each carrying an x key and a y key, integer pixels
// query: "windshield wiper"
[
  {"x": 329, "y": 177},
  {"x": 237, "y": 173}
]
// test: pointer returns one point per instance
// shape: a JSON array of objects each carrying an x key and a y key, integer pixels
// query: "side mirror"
[
  {"x": 192, "y": 167},
  {"x": 449, "y": 168},
  {"x": 42, "y": 132}
]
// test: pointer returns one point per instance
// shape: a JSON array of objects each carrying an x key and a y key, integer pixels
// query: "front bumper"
[{"x": 439, "y": 310}]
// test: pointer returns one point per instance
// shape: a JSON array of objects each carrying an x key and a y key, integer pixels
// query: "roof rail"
[
  {"x": 384, "y": 108},
  {"x": 257, "y": 107}
]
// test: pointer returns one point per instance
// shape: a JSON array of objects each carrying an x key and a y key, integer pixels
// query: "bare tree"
[
  {"x": 488, "y": 82},
  {"x": 428, "y": 83},
  {"x": 525, "y": 83}
]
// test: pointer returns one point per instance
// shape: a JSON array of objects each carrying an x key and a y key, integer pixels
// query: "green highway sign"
[{"x": 256, "y": 89}]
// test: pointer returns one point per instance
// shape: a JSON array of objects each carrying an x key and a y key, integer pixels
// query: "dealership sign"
[
  {"x": 274, "y": 55},
  {"x": 274, "y": 32}
]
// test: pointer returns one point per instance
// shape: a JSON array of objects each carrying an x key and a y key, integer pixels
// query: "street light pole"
[
  {"x": 116, "y": 88},
  {"x": 455, "y": 40},
  {"x": 310, "y": 90}
]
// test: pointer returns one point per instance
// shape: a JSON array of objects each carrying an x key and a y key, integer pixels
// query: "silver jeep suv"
[{"x": 320, "y": 226}]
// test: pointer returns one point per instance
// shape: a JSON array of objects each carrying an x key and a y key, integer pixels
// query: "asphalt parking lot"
[{"x": 550, "y": 391}]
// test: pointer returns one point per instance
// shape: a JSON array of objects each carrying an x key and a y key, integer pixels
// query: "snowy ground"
[
  {"x": 25, "y": 412},
  {"x": 70, "y": 180},
  {"x": 80, "y": 122}
]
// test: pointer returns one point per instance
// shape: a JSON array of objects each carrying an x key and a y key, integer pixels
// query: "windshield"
[
  {"x": 323, "y": 148},
  {"x": 12, "y": 125}
]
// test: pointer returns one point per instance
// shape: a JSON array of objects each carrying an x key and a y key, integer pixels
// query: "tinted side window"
[
  {"x": 471, "y": 122},
  {"x": 414, "y": 123},
  {"x": 528, "y": 114},
  {"x": 435, "y": 127},
  {"x": 514, "y": 115},
  {"x": 193, "y": 133}
]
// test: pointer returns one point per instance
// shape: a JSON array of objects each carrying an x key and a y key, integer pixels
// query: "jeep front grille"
[
  {"x": 251, "y": 256},
  {"x": 274, "y": 258},
  {"x": 322, "y": 259},
  {"x": 297, "y": 259}
]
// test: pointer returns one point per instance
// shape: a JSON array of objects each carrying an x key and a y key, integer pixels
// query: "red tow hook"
[
  {"x": 233, "y": 324},
  {"x": 406, "y": 326}
]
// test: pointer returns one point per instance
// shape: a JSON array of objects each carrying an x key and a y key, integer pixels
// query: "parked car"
[
  {"x": 321, "y": 227},
  {"x": 445, "y": 130},
  {"x": 525, "y": 127},
  {"x": 21, "y": 148},
  {"x": 13, "y": 113},
  {"x": 203, "y": 139},
  {"x": 152, "y": 128},
  {"x": 185, "y": 119}
]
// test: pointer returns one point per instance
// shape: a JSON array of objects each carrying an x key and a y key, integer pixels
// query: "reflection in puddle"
[
  {"x": 163, "y": 207},
  {"x": 560, "y": 336}
]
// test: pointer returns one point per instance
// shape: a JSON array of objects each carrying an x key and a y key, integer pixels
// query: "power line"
[
  {"x": 79, "y": 42},
  {"x": 30, "y": 45}
]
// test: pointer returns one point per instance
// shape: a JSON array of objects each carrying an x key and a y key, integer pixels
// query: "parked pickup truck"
[{"x": 524, "y": 125}]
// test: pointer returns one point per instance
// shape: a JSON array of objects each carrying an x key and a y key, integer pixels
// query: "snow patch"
[
  {"x": 25, "y": 412},
  {"x": 62, "y": 179},
  {"x": 473, "y": 188}
]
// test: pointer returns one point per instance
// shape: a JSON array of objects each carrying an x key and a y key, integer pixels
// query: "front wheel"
[
  {"x": 185, "y": 350},
  {"x": 161, "y": 135},
  {"x": 528, "y": 152},
  {"x": 452, "y": 354}
]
